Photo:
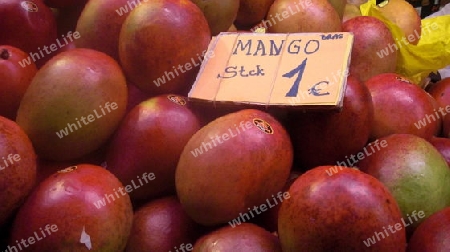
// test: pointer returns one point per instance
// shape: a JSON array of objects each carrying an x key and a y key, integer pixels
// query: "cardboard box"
[{"x": 297, "y": 70}]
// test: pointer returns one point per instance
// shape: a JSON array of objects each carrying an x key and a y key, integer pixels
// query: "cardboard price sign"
[{"x": 306, "y": 70}]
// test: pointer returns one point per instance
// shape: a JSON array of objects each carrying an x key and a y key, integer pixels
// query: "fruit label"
[
  {"x": 68, "y": 169},
  {"x": 29, "y": 6},
  {"x": 263, "y": 125},
  {"x": 403, "y": 79},
  {"x": 177, "y": 99},
  {"x": 299, "y": 70}
]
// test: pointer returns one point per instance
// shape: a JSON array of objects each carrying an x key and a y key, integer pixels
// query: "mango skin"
[
  {"x": 338, "y": 213},
  {"x": 243, "y": 238},
  {"x": 68, "y": 201},
  {"x": 220, "y": 14},
  {"x": 150, "y": 139},
  {"x": 18, "y": 174},
  {"x": 415, "y": 172},
  {"x": 432, "y": 234},
  {"x": 72, "y": 85},
  {"x": 154, "y": 46},
  {"x": 241, "y": 172}
]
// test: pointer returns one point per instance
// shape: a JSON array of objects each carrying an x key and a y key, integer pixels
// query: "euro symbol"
[{"x": 317, "y": 88}]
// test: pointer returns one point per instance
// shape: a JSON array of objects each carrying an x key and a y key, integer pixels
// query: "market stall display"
[{"x": 231, "y": 125}]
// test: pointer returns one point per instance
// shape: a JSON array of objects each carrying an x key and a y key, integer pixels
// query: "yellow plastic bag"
[{"x": 430, "y": 54}]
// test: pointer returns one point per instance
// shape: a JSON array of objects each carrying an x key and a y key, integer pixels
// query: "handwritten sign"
[{"x": 306, "y": 70}]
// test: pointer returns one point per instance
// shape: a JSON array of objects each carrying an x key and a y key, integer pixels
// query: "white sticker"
[
  {"x": 86, "y": 239},
  {"x": 29, "y": 6}
]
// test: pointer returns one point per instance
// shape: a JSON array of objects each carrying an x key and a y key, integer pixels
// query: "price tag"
[{"x": 300, "y": 70}]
